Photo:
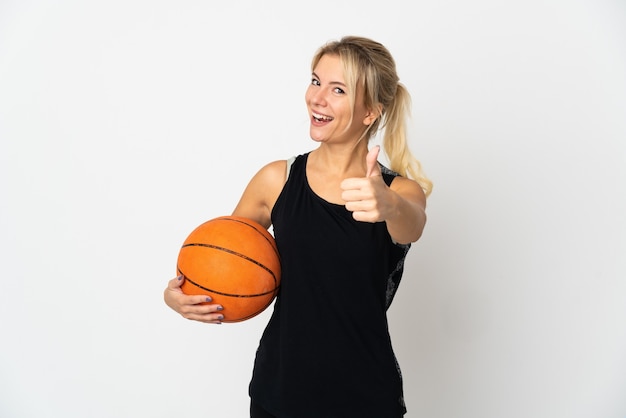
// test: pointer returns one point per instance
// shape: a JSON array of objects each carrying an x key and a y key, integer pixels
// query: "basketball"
[{"x": 234, "y": 260}]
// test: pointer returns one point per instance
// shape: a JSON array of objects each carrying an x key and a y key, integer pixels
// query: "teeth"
[{"x": 321, "y": 117}]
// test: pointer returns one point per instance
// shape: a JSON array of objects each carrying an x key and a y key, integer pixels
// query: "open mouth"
[{"x": 321, "y": 118}]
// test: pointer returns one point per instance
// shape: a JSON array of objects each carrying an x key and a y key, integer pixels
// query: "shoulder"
[
  {"x": 409, "y": 189},
  {"x": 279, "y": 170},
  {"x": 274, "y": 170},
  {"x": 270, "y": 178},
  {"x": 402, "y": 185}
]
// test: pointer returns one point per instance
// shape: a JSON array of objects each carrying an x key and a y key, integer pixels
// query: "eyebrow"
[{"x": 339, "y": 83}]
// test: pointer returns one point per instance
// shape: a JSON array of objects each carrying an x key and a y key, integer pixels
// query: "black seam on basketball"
[
  {"x": 256, "y": 229},
  {"x": 275, "y": 290},
  {"x": 235, "y": 253}
]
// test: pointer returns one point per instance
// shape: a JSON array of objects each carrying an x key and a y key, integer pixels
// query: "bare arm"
[
  {"x": 194, "y": 307},
  {"x": 256, "y": 203},
  {"x": 259, "y": 197},
  {"x": 402, "y": 206},
  {"x": 407, "y": 217}
]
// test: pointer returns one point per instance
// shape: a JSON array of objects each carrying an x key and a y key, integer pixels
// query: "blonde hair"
[{"x": 370, "y": 63}]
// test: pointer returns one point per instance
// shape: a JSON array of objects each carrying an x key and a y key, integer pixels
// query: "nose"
[{"x": 316, "y": 96}]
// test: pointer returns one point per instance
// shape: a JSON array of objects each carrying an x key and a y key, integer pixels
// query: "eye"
[
  {"x": 315, "y": 82},
  {"x": 339, "y": 90}
]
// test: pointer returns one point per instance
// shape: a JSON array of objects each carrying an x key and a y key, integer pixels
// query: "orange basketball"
[{"x": 235, "y": 261}]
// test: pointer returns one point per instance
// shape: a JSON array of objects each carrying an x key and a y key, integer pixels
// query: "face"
[{"x": 330, "y": 111}]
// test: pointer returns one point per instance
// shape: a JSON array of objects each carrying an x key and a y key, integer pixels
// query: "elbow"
[
  {"x": 408, "y": 236},
  {"x": 415, "y": 233}
]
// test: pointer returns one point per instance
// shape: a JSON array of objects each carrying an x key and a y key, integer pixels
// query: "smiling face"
[{"x": 332, "y": 115}]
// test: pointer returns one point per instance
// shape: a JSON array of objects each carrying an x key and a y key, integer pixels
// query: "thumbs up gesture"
[{"x": 368, "y": 198}]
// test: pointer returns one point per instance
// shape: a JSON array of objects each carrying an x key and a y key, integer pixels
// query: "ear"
[{"x": 372, "y": 114}]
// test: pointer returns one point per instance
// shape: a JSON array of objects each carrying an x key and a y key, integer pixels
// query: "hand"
[
  {"x": 368, "y": 198},
  {"x": 194, "y": 307}
]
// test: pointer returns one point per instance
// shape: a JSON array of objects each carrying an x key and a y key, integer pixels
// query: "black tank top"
[{"x": 326, "y": 351}]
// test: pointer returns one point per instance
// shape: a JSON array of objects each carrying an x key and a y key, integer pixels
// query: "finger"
[
  {"x": 201, "y": 309},
  {"x": 365, "y": 217},
  {"x": 175, "y": 285},
  {"x": 354, "y": 184},
  {"x": 211, "y": 318},
  {"x": 351, "y": 184},
  {"x": 203, "y": 313},
  {"x": 199, "y": 299},
  {"x": 354, "y": 195},
  {"x": 372, "y": 162},
  {"x": 176, "y": 282},
  {"x": 360, "y": 206}
]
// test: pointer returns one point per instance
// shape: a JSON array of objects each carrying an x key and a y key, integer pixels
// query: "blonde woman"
[{"x": 343, "y": 224}]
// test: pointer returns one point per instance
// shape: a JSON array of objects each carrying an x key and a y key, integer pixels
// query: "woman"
[{"x": 343, "y": 224}]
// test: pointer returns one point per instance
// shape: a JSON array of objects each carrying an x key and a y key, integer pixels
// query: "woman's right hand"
[{"x": 192, "y": 307}]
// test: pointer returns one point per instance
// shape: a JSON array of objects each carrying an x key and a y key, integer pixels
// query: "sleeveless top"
[{"x": 326, "y": 351}]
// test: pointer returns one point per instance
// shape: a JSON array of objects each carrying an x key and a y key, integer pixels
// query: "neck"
[{"x": 341, "y": 159}]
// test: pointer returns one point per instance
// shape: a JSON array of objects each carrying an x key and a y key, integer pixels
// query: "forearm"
[{"x": 406, "y": 221}]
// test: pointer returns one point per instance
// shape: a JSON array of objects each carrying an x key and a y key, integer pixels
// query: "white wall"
[{"x": 125, "y": 124}]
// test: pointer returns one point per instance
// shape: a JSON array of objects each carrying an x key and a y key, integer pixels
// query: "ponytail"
[{"x": 395, "y": 144}]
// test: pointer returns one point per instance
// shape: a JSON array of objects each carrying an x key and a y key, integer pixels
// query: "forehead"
[{"x": 330, "y": 65}]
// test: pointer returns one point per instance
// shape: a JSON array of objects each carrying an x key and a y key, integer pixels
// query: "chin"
[{"x": 316, "y": 138}]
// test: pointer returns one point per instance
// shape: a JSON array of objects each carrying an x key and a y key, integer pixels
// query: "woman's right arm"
[
  {"x": 194, "y": 307},
  {"x": 259, "y": 197},
  {"x": 256, "y": 203}
]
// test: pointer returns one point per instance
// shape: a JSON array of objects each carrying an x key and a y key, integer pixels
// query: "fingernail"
[
  {"x": 220, "y": 317},
  {"x": 180, "y": 277},
  {"x": 220, "y": 308},
  {"x": 208, "y": 299}
]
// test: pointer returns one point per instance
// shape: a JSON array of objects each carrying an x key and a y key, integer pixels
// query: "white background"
[{"x": 125, "y": 124}]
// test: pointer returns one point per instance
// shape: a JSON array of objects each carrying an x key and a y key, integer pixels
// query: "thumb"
[{"x": 372, "y": 162}]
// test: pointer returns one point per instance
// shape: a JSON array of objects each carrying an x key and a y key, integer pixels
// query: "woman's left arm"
[
  {"x": 402, "y": 205},
  {"x": 406, "y": 213}
]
